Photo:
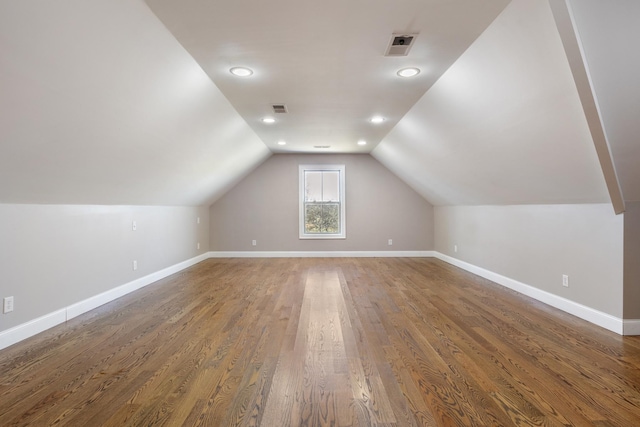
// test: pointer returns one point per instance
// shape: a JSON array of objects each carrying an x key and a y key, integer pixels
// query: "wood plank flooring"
[{"x": 322, "y": 342}]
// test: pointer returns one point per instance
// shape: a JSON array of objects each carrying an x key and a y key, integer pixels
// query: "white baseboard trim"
[
  {"x": 321, "y": 254},
  {"x": 35, "y": 326},
  {"x": 32, "y": 327},
  {"x": 589, "y": 314},
  {"x": 115, "y": 293},
  {"x": 28, "y": 329}
]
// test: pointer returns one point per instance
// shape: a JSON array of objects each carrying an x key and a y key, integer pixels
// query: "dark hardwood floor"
[{"x": 313, "y": 342}]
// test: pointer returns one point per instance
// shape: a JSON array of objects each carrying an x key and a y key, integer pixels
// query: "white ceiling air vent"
[
  {"x": 400, "y": 44},
  {"x": 279, "y": 108}
]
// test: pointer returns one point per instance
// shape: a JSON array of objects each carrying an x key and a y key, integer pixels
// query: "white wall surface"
[
  {"x": 537, "y": 244},
  {"x": 504, "y": 125},
  {"x": 54, "y": 256},
  {"x": 101, "y": 105},
  {"x": 264, "y": 207}
]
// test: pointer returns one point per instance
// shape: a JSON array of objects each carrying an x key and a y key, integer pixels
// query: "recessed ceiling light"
[
  {"x": 268, "y": 120},
  {"x": 376, "y": 119},
  {"x": 409, "y": 72},
  {"x": 241, "y": 71},
  {"x": 282, "y": 143},
  {"x": 362, "y": 142}
]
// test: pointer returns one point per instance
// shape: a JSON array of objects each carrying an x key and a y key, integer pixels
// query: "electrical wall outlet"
[
  {"x": 565, "y": 280},
  {"x": 7, "y": 305},
  {"x": 390, "y": 242},
  {"x": 134, "y": 226},
  {"x": 198, "y": 220},
  {"x": 135, "y": 265},
  {"x": 254, "y": 242},
  {"x": 198, "y": 245},
  {"x": 455, "y": 248}
]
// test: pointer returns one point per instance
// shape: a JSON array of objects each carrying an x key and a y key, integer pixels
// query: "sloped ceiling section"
[
  {"x": 570, "y": 41},
  {"x": 324, "y": 59},
  {"x": 609, "y": 33},
  {"x": 101, "y": 105},
  {"x": 504, "y": 125}
]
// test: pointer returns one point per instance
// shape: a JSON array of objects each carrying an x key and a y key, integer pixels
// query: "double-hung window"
[{"x": 322, "y": 208}]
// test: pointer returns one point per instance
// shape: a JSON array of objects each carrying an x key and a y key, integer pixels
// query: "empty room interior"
[{"x": 298, "y": 213}]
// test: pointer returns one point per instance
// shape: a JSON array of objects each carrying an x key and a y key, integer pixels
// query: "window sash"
[
  {"x": 322, "y": 207},
  {"x": 322, "y": 218}
]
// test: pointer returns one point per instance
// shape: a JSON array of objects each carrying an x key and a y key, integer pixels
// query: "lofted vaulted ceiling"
[
  {"x": 325, "y": 60},
  {"x": 608, "y": 33},
  {"x": 132, "y": 102},
  {"x": 99, "y": 104},
  {"x": 504, "y": 125}
]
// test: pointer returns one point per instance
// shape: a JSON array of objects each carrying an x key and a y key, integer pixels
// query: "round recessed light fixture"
[
  {"x": 376, "y": 119},
  {"x": 282, "y": 143},
  {"x": 241, "y": 71},
  {"x": 409, "y": 72},
  {"x": 362, "y": 142},
  {"x": 268, "y": 120}
]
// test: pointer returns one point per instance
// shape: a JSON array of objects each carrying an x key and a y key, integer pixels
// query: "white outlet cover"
[
  {"x": 7, "y": 305},
  {"x": 134, "y": 226}
]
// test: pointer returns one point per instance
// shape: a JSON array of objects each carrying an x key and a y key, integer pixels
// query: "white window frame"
[{"x": 343, "y": 217}]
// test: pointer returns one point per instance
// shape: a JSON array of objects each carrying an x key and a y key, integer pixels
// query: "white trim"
[
  {"x": 32, "y": 327},
  {"x": 321, "y": 254},
  {"x": 112, "y": 294},
  {"x": 302, "y": 188},
  {"x": 589, "y": 314},
  {"x": 35, "y": 326}
]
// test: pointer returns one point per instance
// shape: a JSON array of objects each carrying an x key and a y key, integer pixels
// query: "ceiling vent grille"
[
  {"x": 279, "y": 108},
  {"x": 400, "y": 44}
]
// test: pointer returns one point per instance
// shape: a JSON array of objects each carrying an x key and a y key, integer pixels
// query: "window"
[{"x": 322, "y": 210}]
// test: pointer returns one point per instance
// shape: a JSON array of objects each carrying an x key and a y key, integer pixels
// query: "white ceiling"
[
  {"x": 609, "y": 33},
  {"x": 324, "y": 60},
  {"x": 101, "y": 104},
  {"x": 504, "y": 125}
]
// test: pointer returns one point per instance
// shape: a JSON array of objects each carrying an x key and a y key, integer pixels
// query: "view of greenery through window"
[
  {"x": 322, "y": 202},
  {"x": 322, "y": 217}
]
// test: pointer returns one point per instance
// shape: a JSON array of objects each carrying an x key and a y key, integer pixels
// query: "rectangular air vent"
[
  {"x": 400, "y": 44},
  {"x": 279, "y": 108}
]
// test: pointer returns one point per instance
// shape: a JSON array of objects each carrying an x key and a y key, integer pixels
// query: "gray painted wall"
[
  {"x": 632, "y": 261},
  {"x": 537, "y": 244},
  {"x": 52, "y": 256},
  {"x": 264, "y": 207}
]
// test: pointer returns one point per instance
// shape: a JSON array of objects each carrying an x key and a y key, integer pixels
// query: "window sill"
[{"x": 332, "y": 237}]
